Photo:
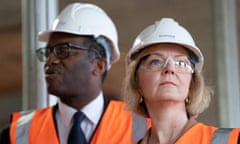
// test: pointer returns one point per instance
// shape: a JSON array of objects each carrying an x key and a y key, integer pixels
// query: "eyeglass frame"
[
  {"x": 189, "y": 66},
  {"x": 42, "y": 57}
]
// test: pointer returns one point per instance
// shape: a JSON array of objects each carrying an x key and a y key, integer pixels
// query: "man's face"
[{"x": 72, "y": 76}]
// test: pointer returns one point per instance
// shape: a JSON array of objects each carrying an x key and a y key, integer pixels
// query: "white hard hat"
[
  {"x": 166, "y": 31},
  {"x": 85, "y": 19}
]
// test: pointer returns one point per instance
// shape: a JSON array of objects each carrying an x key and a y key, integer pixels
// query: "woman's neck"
[{"x": 169, "y": 121}]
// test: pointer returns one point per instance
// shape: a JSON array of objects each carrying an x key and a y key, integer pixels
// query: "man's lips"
[
  {"x": 50, "y": 73},
  {"x": 50, "y": 70},
  {"x": 51, "y": 76}
]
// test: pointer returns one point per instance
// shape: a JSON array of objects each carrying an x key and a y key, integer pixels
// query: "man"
[{"x": 81, "y": 47}]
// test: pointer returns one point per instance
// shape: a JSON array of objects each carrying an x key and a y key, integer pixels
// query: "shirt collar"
[{"x": 92, "y": 110}]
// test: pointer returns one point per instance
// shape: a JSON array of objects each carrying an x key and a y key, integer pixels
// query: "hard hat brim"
[{"x": 44, "y": 36}]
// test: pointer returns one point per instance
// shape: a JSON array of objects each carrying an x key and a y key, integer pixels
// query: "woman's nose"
[{"x": 169, "y": 67}]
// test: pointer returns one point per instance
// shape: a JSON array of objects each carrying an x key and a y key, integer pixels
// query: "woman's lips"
[{"x": 168, "y": 83}]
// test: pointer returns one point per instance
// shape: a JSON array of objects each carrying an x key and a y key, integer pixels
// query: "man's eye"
[
  {"x": 61, "y": 50},
  {"x": 46, "y": 51}
]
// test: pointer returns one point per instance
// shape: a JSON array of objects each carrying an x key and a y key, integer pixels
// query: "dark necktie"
[{"x": 76, "y": 135}]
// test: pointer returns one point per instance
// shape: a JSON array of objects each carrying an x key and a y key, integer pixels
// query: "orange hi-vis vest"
[
  {"x": 204, "y": 134},
  {"x": 116, "y": 126}
]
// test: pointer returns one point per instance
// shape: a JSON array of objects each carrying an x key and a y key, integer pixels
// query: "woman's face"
[{"x": 165, "y": 73}]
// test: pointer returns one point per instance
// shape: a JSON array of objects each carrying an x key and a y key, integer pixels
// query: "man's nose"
[{"x": 52, "y": 59}]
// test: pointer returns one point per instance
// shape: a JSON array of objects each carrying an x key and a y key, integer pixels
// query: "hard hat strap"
[
  {"x": 102, "y": 41},
  {"x": 192, "y": 57}
]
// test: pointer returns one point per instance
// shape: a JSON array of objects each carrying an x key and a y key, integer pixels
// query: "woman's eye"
[
  {"x": 180, "y": 63},
  {"x": 155, "y": 62}
]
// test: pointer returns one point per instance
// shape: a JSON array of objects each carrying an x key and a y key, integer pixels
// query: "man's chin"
[{"x": 53, "y": 91}]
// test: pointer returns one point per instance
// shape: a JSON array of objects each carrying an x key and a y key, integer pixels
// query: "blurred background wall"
[{"x": 130, "y": 16}]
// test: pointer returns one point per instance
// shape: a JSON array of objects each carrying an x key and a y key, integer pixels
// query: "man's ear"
[{"x": 100, "y": 66}]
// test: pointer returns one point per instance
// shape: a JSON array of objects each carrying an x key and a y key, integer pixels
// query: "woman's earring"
[
  {"x": 141, "y": 99},
  {"x": 187, "y": 101}
]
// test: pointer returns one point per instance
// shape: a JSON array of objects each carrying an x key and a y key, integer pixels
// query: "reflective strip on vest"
[
  {"x": 221, "y": 136},
  {"x": 139, "y": 127},
  {"x": 22, "y": 127}
]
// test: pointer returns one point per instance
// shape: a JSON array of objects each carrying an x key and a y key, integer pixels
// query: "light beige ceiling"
[{"x": 10, "y": 13}]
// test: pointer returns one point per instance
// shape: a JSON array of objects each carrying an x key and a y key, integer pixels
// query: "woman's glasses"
[{"x": 156, "y": 62}]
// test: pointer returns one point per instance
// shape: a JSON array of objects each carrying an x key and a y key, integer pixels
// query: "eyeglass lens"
[{"x": 156, "y": 62}]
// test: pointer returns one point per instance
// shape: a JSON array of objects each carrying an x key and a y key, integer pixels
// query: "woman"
[{"x": 164, "y": 83}]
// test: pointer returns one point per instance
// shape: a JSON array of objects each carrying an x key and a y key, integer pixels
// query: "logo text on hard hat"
[{"x": 170, "y": 36}]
